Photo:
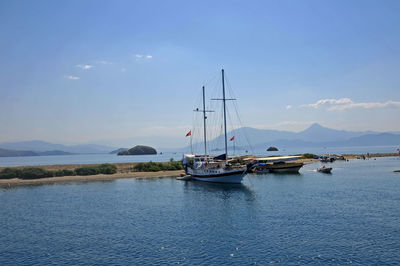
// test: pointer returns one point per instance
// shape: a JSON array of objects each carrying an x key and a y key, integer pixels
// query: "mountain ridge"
[{"x": 314, "y": 136}]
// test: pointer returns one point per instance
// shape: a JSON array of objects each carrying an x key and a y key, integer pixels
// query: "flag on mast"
[
  {"x": 189, "y": 134},
  {"x": 232, "y": 139}
]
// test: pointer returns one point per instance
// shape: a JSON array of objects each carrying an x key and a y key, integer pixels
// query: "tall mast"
[
  {"x": 224, "y": 103},
  {"x": 204, "y": 111},
  {"x": 224, "y": 100},
  {"x": 204, "y": 119}
]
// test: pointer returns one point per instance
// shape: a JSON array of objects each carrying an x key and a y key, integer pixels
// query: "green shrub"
[
  {"x": 64, "y": 172},
  {"x": 308, "y": 156},
  {"x": 155, "y": 167},
  {"x": 107, "y": 169},
  {"x": 8, "y": 173},
  {"x": 87, "y": 170},
  {"x": 34, "y": 173}
]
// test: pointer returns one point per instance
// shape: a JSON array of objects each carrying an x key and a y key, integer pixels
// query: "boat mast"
[
  {"x": 224, "y": 103},
  {"x": 204, "y": 119},
  {"x": 224, "y": 100},
  {"x": 204, "y": 111}
]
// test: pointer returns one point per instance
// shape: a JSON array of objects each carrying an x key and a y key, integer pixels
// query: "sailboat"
[{"x": 217, "y": 169}]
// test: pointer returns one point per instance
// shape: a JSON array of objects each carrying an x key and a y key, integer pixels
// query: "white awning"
[{"x": 275, "y": 158}]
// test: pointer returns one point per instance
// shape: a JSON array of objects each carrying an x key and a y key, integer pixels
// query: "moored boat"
[
  {"x": 218, "y": 169},
  {"x": 276, "y": 164},
  {"x": 326, "y": 170}
]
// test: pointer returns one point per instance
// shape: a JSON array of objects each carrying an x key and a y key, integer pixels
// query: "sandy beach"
[{"x": 101, "y": 177}]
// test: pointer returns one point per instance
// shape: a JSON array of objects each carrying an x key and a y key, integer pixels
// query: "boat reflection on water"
[{"x": 221, "y": 190}]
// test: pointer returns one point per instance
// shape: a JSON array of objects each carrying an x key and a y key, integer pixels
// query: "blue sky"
[{"x": 112, "y": 71}]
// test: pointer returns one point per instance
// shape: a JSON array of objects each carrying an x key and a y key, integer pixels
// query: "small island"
[
  {"x": 272, "y": 148},
  {"x": 139, "y": 150},
  {"x": 118, "y": 150}
]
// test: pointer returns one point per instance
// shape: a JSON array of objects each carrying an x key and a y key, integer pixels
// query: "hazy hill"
[
  {"x": 318, "y": 133},
  {"x": 11, "y": 153},
  {"x": 314, "y": 136},
  {"x": 42, "y": 146},
  {"x": 14, "y": 153}
]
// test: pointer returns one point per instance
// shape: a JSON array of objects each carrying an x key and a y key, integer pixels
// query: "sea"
[
  {"x": 178, "y": 155},
  {"x": 351, "y": 216}
]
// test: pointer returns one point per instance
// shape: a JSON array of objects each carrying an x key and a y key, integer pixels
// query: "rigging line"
[
  {"x": 237, "y": 114},
  {"x": 206, "y": 83},
  {"x": 244, "y": 130}
]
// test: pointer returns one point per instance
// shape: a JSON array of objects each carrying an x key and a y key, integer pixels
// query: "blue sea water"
[
  {"x": 86, "y": 159},
  {"x": 351, "y": 216},
  {"x": 178, "y": 155}
]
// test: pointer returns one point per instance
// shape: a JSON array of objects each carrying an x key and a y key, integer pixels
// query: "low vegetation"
[
  {"x": 37, "y": 172},
  {"x": 155, "y": 167},
  {"x": 105, "y": 168},
  {"x": 309, "y": 156}
]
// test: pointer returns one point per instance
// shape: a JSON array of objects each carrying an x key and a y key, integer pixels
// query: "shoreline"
[
  {"x": 16, "y": 182},
  {"x": 124, "y": 170}
]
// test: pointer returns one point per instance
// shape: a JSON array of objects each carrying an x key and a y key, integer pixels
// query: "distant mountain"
[
  {"x": 42, "y": 146},
  {"x": 314, "y": 136},
  {"x": 55, "y": 152},
  {"x": 381, "y": 139},
  {"x": 318, "y": 133},
  {"x": 13, "y": 153},
  {"x": 315, "y": 133}
]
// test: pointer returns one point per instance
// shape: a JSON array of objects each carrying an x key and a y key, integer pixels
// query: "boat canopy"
[
  {"x": 275, "y": 158},
  {"x": 220, "y": 157}
]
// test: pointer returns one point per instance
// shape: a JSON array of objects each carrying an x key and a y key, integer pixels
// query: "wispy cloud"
[
  {"x": 104, "y": 62},
  {"x": 289, "y": 107},
  {"x": 85, "y": 67},
  {"x": 143, "y": 56},
  {"x": 347, "y": 103},
  {"x": 72, "y": 77}
]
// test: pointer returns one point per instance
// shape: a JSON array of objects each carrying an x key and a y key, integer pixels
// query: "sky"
[{"x": 119, "y": 72}]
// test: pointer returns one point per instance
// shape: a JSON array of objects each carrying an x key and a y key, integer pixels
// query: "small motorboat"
[{"x": 324, "y": 169}]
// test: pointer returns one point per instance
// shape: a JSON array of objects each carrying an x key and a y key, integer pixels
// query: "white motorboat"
[{"x": 326, "y": 170}]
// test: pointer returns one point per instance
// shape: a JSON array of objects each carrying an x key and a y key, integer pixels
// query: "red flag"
[
  {"x": 189, "y": 134},
  {"x": 232, "y": 139}
]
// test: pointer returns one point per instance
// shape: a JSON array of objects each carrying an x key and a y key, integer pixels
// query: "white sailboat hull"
[
  {"x": 231, "y": 179},
  {"x": 232, "y": 176}
]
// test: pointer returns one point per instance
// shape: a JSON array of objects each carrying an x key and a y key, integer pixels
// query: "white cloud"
[
  {"x": 288, "y": 107},
  {"x": 142, "y": 56},
  {"x": 347, "y": 103},
  {"x": 85, "y": 67},
  {"x": 72, "y": 77}
]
